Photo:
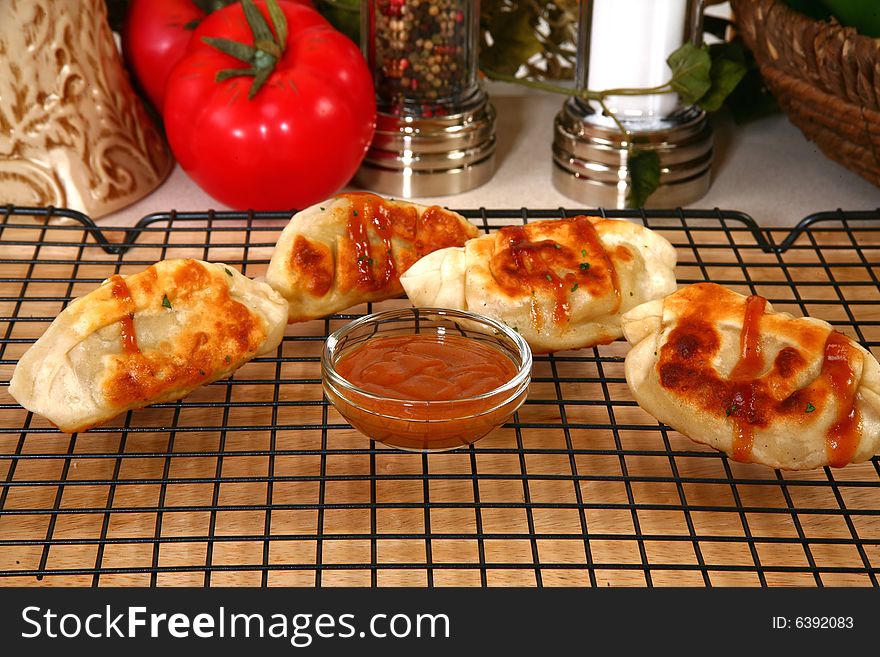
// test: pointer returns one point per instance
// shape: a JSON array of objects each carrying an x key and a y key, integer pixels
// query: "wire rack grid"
[{"x": 256, "y": 480}]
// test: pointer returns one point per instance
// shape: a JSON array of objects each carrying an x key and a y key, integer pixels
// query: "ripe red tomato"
[
  {"x": 298, "y": 140},
  {"x": 155, "y": 36}
]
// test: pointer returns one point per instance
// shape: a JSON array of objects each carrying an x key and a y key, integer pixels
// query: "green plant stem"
[
  {"x": 266, "y": 51},
  {"x": 585, "y": 94},
  {"x": 646, "y": 91},
  {"x": 534, "y": 84},
  {"x": 626, "y": 133}
]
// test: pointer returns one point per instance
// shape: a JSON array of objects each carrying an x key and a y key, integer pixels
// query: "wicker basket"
[{"x": 826, "y": 77}]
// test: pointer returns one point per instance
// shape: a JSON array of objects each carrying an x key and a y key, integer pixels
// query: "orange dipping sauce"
[
  {"x": 426, "y": 367},
  {"x": 428, "y": 391}
]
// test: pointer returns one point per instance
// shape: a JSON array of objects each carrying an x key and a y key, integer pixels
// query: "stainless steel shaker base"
[
  {"x": 409, "y": 183},
  {"x": 437, "y": 156},
  {"x": 590, "y": 161}
]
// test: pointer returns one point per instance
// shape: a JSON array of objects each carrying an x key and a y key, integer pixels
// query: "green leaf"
[
  {"x": 260, "y": 78},
  {"x": 279, "y": 22},
  {"x": 227, "y": 73},
  {"x": 691, "y": 68},
  {"x": 644, "y": 176},
  {"x": 240, "y": 51},
  {"x": 258, "y": 24},
  {"x": 514, "y": 42},
  {"x": 344, "y": 15},
  {"x": 750, "y": 99},
  {"x": 726, "y": 74},
  {"x": 734, "y": 50},
  {"x": 810, "y": 408},
  {"x": 165, "y": 302}
]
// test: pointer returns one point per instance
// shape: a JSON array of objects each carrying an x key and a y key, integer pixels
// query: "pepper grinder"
[
  {"x": 435, "y": 126},
  {"x": 625, "y": 44}
]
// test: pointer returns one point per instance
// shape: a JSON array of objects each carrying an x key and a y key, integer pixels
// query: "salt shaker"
[
  {"x": 625, "y": 44},
  {"x": 435, "y": 131}
]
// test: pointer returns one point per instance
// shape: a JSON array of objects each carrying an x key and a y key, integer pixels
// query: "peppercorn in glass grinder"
[
  {"x": 435, "y": 128},
  {"x": 624, "y": 44}
]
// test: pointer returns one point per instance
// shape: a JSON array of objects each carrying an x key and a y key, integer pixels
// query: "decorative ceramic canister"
[
  {"x": 72, "y": 131},
  {"x": 624, "y": 44},
  {"x": 435, "y": 129}
]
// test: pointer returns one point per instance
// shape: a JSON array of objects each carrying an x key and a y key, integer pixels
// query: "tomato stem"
[
  {"x": 227, "y": 73},
  {"x": 266, "y": 51}
]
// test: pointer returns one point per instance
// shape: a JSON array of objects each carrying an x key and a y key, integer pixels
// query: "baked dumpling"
[
  {"x": 352, "y": 249},
  {"x": 150, "y": 337},
  {"x": 562, "y": 283},
  {"x": 761, "y": 386}
]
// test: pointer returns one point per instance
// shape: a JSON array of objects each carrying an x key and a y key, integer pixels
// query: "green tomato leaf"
[
  {"x": 258, "y": 24},
  {"x": 514, "y": 42},
  {"x": 279, "y": 22},
  {"x": 227, "y": 73},
  {"x": 260, "y": 77},
  {"x": 644, "y": 176},
  {"x": 726, "y": 74},
  {"x": 691, "y": 68},
  {"x": 240, "y": 51}
]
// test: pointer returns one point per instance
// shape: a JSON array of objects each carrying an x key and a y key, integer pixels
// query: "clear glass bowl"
[{"x": 418, "y": 425}]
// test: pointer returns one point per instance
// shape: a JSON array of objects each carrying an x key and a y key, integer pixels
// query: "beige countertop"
[{"x": 766, "y": 169}]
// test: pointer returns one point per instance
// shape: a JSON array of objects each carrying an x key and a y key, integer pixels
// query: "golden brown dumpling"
[
  {"x": 761, "y": 386},
  {"x": 353, "y": 248},
  {"x": 150, "y": 337},
  {"x": 562, "y": 283}
]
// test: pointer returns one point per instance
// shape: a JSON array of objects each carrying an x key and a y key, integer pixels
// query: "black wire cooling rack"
[{"x": 257, "y": 481}]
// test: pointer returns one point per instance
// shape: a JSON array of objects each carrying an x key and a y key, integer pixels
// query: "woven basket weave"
[{"x": 825, "y": 77}]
